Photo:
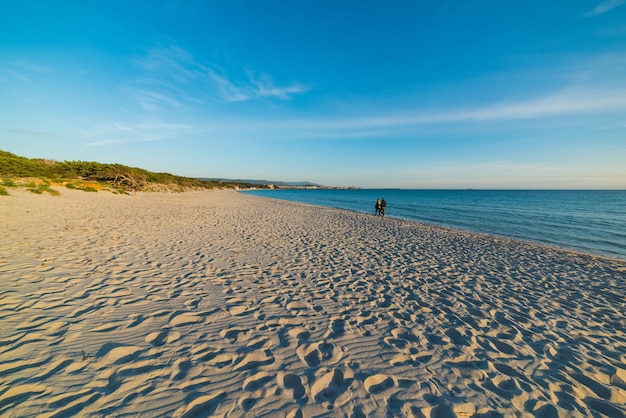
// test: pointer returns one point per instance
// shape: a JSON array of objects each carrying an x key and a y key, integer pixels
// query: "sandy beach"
[{"x": 216, "y": 303}]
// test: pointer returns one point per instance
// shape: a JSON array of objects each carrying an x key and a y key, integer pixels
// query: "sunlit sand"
[{"x": 217, "y": 303}]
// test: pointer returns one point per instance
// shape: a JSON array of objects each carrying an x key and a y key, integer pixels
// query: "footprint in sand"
[
  {"x": 180, "y": 369},
  {"x": 503, "y": 386},
  {"x": 336, "y": 327},
  {"x": 135, "y": 319},
  {"x": 378, "y": 383},
  {"x": 463, "y": 367},
  {"x": 161, "y": 337},
  {"x": 458, "y": 336},
  {"x": 317, "y": 353},
  {"x": 254, "y": 360},
  {"x": 204, "y": 352},
  {"x": 255, "y": 343},
  {"x": 221, "y": 360},
  {"x": 242, "y": 310},
  {"x": 405, "y": 342},
  {"x": 328, "y": 386},
  {"x": 184, "y": 318},
  {"x": 192, "y": 303},
  {"x": 299, "y": 333},
  {"x": 257, "y": 381},
  {"x": 203, "y": 405},
  {"x": 292, "y": 383},
  {"x": 295, "y": 413},
  {"x": 112, "y": 353},
  {"x": 246, "y": 403},
  {"x": 298, "y": 307},
  {"x": 232, "y": 333}
]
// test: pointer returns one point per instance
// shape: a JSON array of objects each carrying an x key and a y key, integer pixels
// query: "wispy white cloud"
[
  {"x": 120, "y": 133},
  {"x": 33, "y": 67},
  {"x": 254, "y": 88},
  {"x": 104, "y": 143},
  {"x": 228, "y": 90},
  {"x": 19, "y": 76},
  {"x": 172, "y": 63},
  {"x": 605, "y": 7},
  {"x": 174, "y": 78},
  {"x": 564, "y": 103},
  {"x": 23, "y": 71},
  {"x": 25, "y": 132},
  {"x": 152, "y": 100},
  {"x": 170, "y": 77},
  {"x": 283, "y": 93},
  {"x": 402, "y": 122},
  {"x": 264, "y": 86}
]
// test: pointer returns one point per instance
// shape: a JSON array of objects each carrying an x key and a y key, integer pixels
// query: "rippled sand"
[{"x": 217, "y": 303}]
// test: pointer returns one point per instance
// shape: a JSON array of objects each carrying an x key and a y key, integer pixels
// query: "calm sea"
[{"x": 582, "y": 220}]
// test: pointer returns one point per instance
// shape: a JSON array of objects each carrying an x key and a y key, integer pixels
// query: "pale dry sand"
[{"x": 216, "y": 303}]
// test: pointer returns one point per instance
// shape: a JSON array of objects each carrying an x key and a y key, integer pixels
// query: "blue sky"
[{"x": 409, "y": 94}]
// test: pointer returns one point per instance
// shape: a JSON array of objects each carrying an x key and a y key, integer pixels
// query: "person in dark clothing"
[
  {"x": 383, "y": 206},
  {"x": 377, "y": 207}
]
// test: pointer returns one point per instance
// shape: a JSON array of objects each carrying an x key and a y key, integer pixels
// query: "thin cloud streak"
[
  {"x": 151, "y": 100},
  {"x": 23, "y": 70},
  {"x": 116, "y": 133},
  {"x": 401, "y": 122},
  {"x": 605, "y": 7},
  {"x": 264, "y": 86},
  {"x": 283, "y": 93},
  {"x": 25, "y": 132},
  {"x": 254, "y": 88},
  {"x": 228, "y": 90},
  {"x": 21, "y": 77},
  {"x": 31, "y": 67}
]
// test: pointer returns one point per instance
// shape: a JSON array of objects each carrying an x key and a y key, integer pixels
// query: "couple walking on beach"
[{"x": 380, "y": 207}]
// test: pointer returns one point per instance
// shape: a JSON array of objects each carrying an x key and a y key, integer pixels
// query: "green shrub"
[
  {"x": 3, "y": 191},
  {"x": 116, "y": 176},
  {"x": 40, "y": 189}
]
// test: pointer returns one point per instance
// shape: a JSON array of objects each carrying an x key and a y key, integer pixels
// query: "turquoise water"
[{"x": 591, "y": 221}]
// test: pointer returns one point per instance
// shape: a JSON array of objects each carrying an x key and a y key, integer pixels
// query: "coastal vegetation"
[{"x": 38, "y": 175}]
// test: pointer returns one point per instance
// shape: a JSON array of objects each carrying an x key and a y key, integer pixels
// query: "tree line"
[{"x": 116, "y": 175}]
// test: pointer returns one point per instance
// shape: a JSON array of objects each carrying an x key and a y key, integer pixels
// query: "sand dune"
[{"x": 220, "y": 304}]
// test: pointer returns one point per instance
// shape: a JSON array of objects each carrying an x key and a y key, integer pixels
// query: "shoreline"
[
  {"x": 494, "y": 236},
  {"x": 221, "y": 303},
  {"x": 575, "y": 222}
]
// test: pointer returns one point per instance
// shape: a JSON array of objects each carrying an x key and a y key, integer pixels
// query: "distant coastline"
[{"x": 276, "y": 184}]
